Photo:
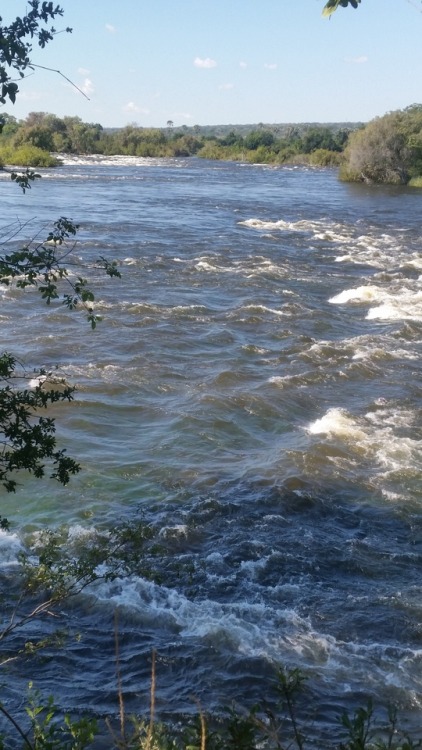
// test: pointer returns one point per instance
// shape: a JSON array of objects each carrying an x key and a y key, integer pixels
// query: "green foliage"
[
  {"x": 27, "y": 435},
  {"x": 17, "y": 40},
  {"x": 232, "y": 139},
  {"x": 365, "y": 733},
  {"x": 263, "y": 144},
  {"x": 57, "y": 566},
  {"x": 416, "y": 182},
  {"x": 298, "y": 146},
  {"x": 42, "y": 265},
  {"x": 316, "y": 138},
  {"x": 186, "y": 145},
  {"x": 28, "y": 440},
  {"x": 213, "y": 150},
  {"x": 49, "y": 730},
  {"x": 237, "y": 729},
  {"x": 322, "y": 157},
  {"x": 258, "y": 138},
  {"x": 66, "y": 566},
  {"x": 332, "y": 5},
  {"x": 37, "y": 135},
  {"x": 358, "y": 727},
  {"x": 24, "y": 179},
  {"x": 242, "y": 731},
  {"x": 4, "y": 524},
  {"x": 27, "y": 156},
  {"x": 8, "y": 126},
  {"x": 388, "y": 149}
]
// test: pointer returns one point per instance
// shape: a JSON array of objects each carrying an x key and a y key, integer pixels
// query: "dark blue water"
[{"x": 253, "y": 391}]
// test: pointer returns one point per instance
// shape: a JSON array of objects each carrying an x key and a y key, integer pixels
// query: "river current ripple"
[{"x": 253, "y": 391}]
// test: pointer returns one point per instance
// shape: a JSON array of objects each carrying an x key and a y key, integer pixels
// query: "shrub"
[
  {"x": 416, "y": 182},
  {"x": 27, "y": 156},
  {"x": 388, "y": 149},
  {"x": 322, "y": 157},
  {"x": 211, "y": 150}
]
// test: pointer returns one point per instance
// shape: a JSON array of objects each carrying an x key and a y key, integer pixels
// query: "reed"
[{"x": 236, "y": 729}]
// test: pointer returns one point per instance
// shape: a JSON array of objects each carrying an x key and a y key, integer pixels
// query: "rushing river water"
[{"x": 254, "y": 391}]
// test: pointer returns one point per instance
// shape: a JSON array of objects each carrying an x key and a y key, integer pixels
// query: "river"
[{"x": 254, "y": 391}]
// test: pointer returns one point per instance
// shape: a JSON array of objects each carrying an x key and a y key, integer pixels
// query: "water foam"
[
  {"x": 251, "y": 629},
  {"x": 323, "y": 230},
  {"x": 118, "y": 160},
  {"x": 10, "y": 548},
  {"x": 360, "y": 294},
  {"x": 401, "y": 303},
  {"x": 377, "y": 436},
  {"x": 405, "y": 306},
  {"x": 264, "y": 309},
  {"x": 338, "y": 423}
]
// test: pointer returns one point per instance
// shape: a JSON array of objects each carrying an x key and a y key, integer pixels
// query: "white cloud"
[
  {"x": 243, "y": 64},
  {"x": 83, "y": 71},
  {"x": 132, "y": 107},
  {"x": 206, "y": 62},
  {"x": 270, "y": 66},
  {"x": 226, "y": 86},
  {"x": 109, "y": 27},
  {"x": 87, "y": 87},
  {"x": 356, "y": 60}
]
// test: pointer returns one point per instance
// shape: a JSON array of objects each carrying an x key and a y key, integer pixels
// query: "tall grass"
[{"x": 261, "y": 728}]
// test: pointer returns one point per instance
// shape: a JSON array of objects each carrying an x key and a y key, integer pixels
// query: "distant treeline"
[
  {"x": 302, "y": 143},
  {"x": 388, "y": 149}
]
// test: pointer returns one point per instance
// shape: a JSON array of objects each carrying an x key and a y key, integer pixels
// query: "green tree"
[
  {"x": 259, "y": 138},
  {"x": 45, "y": 131},
  {"x": 319, "y": 137},
  {"x": 232, "y": 139},
  {"x": 9, "y": 126},
  {"x": 37, "y": 135},
  {"x": 388, "y": 149},
  {"x": 82, "y": 137}
]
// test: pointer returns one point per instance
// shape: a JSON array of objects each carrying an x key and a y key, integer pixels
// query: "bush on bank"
[
  {"x": 416, "y": 182},
  {"x": 27, "y": 156},
  {"x": 264, "y": 144},
  {"x": 387, "y": 150}
]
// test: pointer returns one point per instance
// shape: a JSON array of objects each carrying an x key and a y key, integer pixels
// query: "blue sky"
[{"x": 210, "y": 62}]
